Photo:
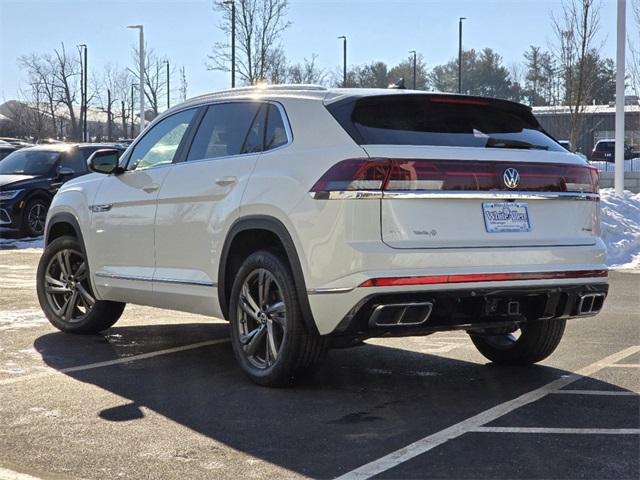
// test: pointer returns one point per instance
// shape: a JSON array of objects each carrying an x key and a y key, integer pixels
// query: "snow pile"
[
  {"x": 620, "y": 221},
  {"x": 21, "y": 243}
]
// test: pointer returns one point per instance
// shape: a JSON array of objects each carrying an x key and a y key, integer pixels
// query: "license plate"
[{"x": 506, "y": 217}]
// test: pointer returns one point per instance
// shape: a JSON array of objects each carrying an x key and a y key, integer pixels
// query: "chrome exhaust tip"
[
  {"x": 590, "y": 303},
  {"x": 400, "y": 314}
]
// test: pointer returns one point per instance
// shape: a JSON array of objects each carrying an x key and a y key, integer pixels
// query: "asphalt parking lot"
[{"x": 159, "y": 396}]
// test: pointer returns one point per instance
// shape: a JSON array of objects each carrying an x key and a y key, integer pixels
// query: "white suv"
[{"x": 312, "y": 217}]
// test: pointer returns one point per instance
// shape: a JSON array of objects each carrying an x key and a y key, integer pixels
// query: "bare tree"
[
  {"x": 575, "y": 32},
  {"x": 40, "y": 71},
  {"x": 123, "y": 84},
  {"x": 105, "y": 94},
  {"x": 633, "y": 39},
  {"x": 155, "y": 80},
  {"x": 65, "y": 71},
  {"x": 29, "y": 113},
  {"x": 183, "y": 84},
  {"x": 259, "y": 24},
  {"x": 307, "y": 72}
]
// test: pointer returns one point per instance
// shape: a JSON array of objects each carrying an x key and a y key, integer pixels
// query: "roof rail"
[{"x": 252, "y": 88}]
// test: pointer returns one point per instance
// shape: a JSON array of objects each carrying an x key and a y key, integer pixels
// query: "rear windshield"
[
  {"x": 605, "y": 145},
  {"x": 441, "y": 121}
]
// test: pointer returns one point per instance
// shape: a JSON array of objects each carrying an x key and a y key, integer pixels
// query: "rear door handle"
[
  {"x": 151, "y": 188},
  {"x": 225, "y": 181}
]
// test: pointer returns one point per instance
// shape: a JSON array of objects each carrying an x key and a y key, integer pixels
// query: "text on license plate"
[{"x": 506, "y": 217}]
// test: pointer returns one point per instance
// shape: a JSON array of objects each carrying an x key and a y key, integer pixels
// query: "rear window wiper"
[{"x": 493, "y": 142}]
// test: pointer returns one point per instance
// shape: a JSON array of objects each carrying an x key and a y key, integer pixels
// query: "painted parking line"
[
  {"x": 595, "y": 392},
  {"x": 625, "y": 365},
  {"x": 6, "y": 474},
  {"x": 117, "y": 361},
  {"x": 470, "y": 424},
  {"x": 580, "y": 431}
]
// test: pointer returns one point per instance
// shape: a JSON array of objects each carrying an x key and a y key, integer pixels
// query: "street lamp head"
[
  {"x": 412, "y": 51},
  {"x": 342, "y": 37},
  {"x": 463, "y": 18},
  {"x": 135, "y": 26}
]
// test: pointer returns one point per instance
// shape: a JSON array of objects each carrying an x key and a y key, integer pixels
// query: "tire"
[
  {"x": 65, "y": 293},
  {"x": 262, "y": 324},
  {"x": 34, "y": 217},
  {"x": 538, "y": 339}
]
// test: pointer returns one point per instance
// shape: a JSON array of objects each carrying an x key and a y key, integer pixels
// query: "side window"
[
  {"x": 223, "y": 130},
  {"x": 159, "y": 145},
  {"x": 74, "y": 160},
  {"x": 253, "y": 142},
  {"x": 275, "y": 134}
]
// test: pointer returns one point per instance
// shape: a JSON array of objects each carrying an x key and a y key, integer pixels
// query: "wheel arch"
[
  {"x": 272, "y": 229},
  {"x": 63, "y": 223},
  {"x": 39, "y": 193}
]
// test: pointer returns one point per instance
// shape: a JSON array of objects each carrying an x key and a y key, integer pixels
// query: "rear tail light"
[
  {"x": 454, "y": 175},
  {"x": 480, "y": 277}
]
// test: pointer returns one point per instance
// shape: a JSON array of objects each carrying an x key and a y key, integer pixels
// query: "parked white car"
[{"x": 312, "y": 217}]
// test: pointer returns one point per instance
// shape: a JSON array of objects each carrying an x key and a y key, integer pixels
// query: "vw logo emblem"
[{"x": 511, "y": 177}]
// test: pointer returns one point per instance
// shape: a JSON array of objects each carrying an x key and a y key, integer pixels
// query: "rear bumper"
[{"x": 469, "y": 308}]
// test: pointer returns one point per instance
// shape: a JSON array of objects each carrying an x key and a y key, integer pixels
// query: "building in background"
[{"x": 598, "y": 124}]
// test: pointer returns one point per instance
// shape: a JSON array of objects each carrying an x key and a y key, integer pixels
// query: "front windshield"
[{"x": 29, "y": 162}]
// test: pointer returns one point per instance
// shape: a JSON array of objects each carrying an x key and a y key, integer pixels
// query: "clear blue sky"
[{"x": 185, "y": 30}]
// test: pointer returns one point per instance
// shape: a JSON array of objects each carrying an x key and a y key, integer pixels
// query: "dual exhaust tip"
[
  {"x": 417, "y": 313},
  {"x": 400, "y": 314},
  {"x": 590, "y": 303}
]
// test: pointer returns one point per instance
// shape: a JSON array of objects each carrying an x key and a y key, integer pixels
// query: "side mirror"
[
  {"x": 66, "y": 171},
  {"x": 104, "y": 161}
]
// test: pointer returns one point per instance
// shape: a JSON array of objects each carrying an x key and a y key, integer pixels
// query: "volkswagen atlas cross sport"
[{"x": 312, "y": 217}]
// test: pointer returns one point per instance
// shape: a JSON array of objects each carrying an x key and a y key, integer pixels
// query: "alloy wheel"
[
  {"x": 262, "y": 315},
  {"x": 36, "y": 217},
  {"x": 67, "y": 287}
]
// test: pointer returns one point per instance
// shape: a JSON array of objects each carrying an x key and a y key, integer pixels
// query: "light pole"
[
  {"x": 233, "y": 42},
  {"x": 168, "y": 86},
  {"x": 414, "y": 68},
  {"x": 460, "y": 53},
  {"x": 141, "y": 50},
  {"x": 80, "y": 47},
  {"x": 83, "y": 90},
  {"x": 618, "y": 181},
  {"x": 133, "y": 85},
  {"x": 344, "y": 60}
]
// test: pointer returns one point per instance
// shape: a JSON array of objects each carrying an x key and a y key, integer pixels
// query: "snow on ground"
[
  {"x": 21, "y": 243},
  {"x": 620, "y": 221},
  {"x": 19, "y": 319}
]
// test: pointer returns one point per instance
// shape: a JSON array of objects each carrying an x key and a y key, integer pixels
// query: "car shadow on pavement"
[{"x": 361, "y": 404}]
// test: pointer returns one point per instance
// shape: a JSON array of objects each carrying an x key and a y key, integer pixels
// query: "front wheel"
[
  {"x": 34, "y": 217},
  {"x": 65, "y": 294},
  {"x": 536, "y": 341},
  {"x": 270, "y": 339}
]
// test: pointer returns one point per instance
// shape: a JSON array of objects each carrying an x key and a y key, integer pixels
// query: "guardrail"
[{"x": 631, "y": 165}]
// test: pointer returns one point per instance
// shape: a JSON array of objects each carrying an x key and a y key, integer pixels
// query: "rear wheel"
[
  {"x": 270, "y": 339},
  {"x": 531, "y": 343},
  {"x": 65, "y": 293}
]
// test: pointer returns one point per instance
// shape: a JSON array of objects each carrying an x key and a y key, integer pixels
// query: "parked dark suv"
[
  {"x": 604, "y": 151},
  {"x": 31, "y": 176}
]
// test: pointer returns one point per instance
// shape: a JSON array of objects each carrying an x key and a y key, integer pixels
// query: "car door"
[
  {"x": 198, "y": 201},
  {"x": 124, "y": 209}
]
